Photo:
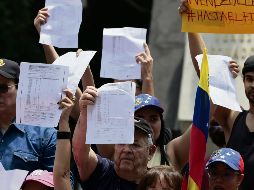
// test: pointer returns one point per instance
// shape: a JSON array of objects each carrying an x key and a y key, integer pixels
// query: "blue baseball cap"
[
  {"x": 146, "y": 100},
  {"x": 228, "y": 156}
]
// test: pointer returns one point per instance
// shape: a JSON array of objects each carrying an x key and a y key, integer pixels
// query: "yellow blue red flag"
[{"x": 199, "y": 130}]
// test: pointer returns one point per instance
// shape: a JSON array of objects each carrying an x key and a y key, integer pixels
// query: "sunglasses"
[{"x": 4, "y": 87}]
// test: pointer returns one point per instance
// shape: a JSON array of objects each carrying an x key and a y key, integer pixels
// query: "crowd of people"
[{"x": 60, "y": 158}]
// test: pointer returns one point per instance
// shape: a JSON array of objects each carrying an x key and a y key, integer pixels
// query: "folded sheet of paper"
[
  {"x": 77, "y": 66},
  {"x": 120, "y": 46},
  {"x": 62, "y": 27},
  {"x": 12, "y": 179},
  {"x": 40, "y": 88},
  {"x": 111, "y": 119},
  {"x": 221, "y": 81}
]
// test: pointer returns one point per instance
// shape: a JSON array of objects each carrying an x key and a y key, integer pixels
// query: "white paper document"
[
  {"x": 40, "y": 89},
  {"x": 111, "y": 119},
  {"x": 12, "y": 179},
  {"x": 120, "y": 46},
  {"x": 222, "y": 84},
  {"x": 77, "y": 66},
  {"x": 62, "y": 27}
]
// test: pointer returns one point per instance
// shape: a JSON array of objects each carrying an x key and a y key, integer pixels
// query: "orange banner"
[{"x": 219, "y": 16}]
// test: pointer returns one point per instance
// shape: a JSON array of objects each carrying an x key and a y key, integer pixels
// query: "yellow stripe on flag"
[
  {"x": 204, "y": 73},
  {"x": 192, "y": 185}
]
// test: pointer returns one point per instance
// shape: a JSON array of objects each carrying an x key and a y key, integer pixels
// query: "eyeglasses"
[
  {"x": 4, "y": 87},
  {"x": 227, "y": 175}
]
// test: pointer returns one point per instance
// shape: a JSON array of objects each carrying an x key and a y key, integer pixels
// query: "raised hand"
[
  {"x": 183, "y": 7},
  {"x": 41, "y": 18},
  {"x": 88, "y": 97},
  {"x": 67, "y": 103},
  {"x": 146, "y": 61},
  {"x": 234, "y": 68}
]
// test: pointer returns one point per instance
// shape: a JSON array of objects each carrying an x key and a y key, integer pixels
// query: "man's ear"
[{"x": 240, "y": 179}]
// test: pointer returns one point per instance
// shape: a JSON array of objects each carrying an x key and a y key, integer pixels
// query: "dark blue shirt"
[
  {"x": 28, "y": 148},
  {"x": 105, "y": 178}
]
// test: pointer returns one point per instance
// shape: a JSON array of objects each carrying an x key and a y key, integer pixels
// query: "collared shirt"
[{"x": 28, "y": 147}]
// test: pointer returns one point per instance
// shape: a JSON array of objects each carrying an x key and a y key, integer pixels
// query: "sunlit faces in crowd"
[{"x": 148, "y": 107}]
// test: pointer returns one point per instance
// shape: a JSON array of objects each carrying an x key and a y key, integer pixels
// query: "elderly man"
[
  {"x": 21, "y": 146},
  {"x": 130, "y": 159}
]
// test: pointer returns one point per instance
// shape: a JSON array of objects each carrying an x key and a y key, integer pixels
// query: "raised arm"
[
  {"x": 63, "y": 146},
  {"x": 105, "y": 150},
  {"x": 51, "y": 55},
  {"x": 49, "y": 51},
  {"x": 223, "y": 116},
  {"x": 196, "y": 45},
  {"x": 146, "y": 61},
  {"x": 87, "y": 80},
  {"x": 84, "y": 156},
  {"x": 178, "y": 150},
  {"x": 226, "y": 117},
  {"x": 196, "y": 42}
]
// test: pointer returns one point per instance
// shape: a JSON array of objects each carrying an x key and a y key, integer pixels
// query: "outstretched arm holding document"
[
  {"x": 84, "y": 156},
  {"x": 63, "y": 146},
  {"x": 49, "y": 50},
  {"x": 146, "y": 61},
  {"x": 224, "y": 116}
]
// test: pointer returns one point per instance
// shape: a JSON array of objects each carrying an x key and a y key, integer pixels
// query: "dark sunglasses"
[{"x": 4, "y": 87}]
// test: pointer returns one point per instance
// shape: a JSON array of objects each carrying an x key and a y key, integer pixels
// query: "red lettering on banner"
[
  {"x": 244, "y": 17},
  {"x": 223, "y": 16},
  {"x": 219, "y": 3},
  {"x": 252, "y": 16},
  {"x": 230, "y": 16},
  {"x": 204, "y": 15},
  {"x": 200, "y": 15},
  {"x": 237, "y": 19}
]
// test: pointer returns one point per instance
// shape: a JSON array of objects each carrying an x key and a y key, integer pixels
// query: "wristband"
[{"x": 63, "y": 135}]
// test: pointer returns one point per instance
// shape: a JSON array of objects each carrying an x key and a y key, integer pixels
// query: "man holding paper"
[
  {"x": 21, "y": 146},
  {"x": 130, "y": 159}
]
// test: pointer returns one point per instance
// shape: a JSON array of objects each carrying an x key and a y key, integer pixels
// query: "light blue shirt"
[{"x": 28, "y": 148}]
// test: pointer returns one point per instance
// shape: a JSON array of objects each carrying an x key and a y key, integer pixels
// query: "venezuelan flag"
[{"x": 199, "y": 130}]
